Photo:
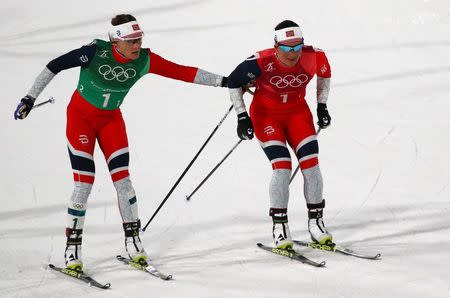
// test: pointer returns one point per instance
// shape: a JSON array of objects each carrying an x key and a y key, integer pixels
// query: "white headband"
[
  {"x": 287, "y": 34},
  {"x": 127, "y": 31}
]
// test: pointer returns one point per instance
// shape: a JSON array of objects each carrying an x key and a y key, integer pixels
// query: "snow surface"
[{"x": 385, "y": 160}]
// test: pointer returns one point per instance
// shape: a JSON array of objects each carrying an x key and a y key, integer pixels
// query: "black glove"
[
  {"x": 323, "y": 116},
  {"x": 24, "y": 107},
  {"x": 245, "y": 127},
  {"x": 224, "y": 82}
]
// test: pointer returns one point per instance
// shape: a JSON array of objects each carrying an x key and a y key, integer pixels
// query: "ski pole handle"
[{"x": 50, "y": 100}]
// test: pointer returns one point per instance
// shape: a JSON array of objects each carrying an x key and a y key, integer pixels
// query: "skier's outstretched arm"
[
  {"x": 190, "y": 74},
  {"x": 78, "y": 57}
]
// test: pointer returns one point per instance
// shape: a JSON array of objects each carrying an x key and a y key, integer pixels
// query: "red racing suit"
[{"x": 278, "y": 110}]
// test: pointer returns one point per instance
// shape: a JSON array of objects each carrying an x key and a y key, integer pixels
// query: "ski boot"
[
  {"x": 316, "y": 226},
  {"x": 72, "y": 254},
  {"x": 133, "y": 244},
  {"x": 280, "y": 230}
]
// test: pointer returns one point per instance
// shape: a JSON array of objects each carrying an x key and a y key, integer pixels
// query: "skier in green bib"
[{"x": 108, "y": 70}]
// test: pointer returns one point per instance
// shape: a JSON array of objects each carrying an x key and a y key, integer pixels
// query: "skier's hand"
[
  {"x": 24, "y": 107},
  {"x": 245, "y": 127},
  {"x": 246, "y": 88},
  {"x": 323, "y": 116}
]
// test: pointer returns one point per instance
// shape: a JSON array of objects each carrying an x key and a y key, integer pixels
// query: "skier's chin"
[
  {"x": 293, "y": 60},
  {"x": 134, "y": 55}
]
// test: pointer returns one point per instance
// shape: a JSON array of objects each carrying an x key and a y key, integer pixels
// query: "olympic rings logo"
[
  {"x": 288, "y": 81},
  {"x": 117, "y": 73},
  {"x": 78, "y": 205}
]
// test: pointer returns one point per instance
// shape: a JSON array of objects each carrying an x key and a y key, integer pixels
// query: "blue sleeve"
[
  {"x": 78, "y": 57},
  {"x": 244, "y": 73}
]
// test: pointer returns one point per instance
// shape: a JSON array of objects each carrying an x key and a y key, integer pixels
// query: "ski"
[
  {"x": 337, "y": 248},
  {"x": 146, "y": 268},
  {"x": 80, "y": 276},
  {"x": 292, "y": 254}
]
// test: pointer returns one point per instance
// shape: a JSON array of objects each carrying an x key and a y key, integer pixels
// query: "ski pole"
[
  {"x": 50, "y": 100},
  {"x": 188, "y": 167},
  {"x": 213, "y": 170},
  {"x": 298, "y": 166}
]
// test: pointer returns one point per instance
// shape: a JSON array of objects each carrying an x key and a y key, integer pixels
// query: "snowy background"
[{"x": 385, "y": 160}]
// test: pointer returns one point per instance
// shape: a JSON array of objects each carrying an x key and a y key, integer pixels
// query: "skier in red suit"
[{"x": 280, "y": 116}]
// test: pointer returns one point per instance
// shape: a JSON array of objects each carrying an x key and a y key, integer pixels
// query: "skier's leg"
[
  {"x": 114, "y": 144},
  {"x": 81, "y": 143},
  {"x": 303, "y": 138},
  {"x": 272, "y": 140}
]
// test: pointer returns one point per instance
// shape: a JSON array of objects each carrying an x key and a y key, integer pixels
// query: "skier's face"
[
  {"x": 130, "y": 49},
  {"x": 289, "y": 52}
]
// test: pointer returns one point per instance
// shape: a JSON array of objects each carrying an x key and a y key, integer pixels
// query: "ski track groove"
[
  {"x": 387, "y": 135},
  {"x": 380, "y": 170}
]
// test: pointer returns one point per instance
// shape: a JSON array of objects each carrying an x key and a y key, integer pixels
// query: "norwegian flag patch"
[
  {"x": 290, "y": 33},
  {"x": 136, "y": 27}
]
